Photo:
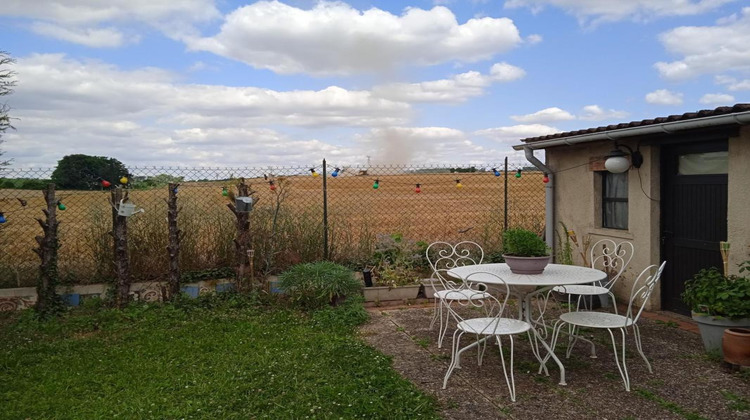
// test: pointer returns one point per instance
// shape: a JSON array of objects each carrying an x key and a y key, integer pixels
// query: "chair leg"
[
  {"x": 623, "y": 369},
  {"x": 511, "y": 382},
  {"x": 639, "y": 346},
  {"x": 443, "y": 323},
  {"x": 455, "y": 356},
  {"x": 436, "y": 312}
]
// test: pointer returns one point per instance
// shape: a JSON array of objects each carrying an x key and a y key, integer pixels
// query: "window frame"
[{"x": 605, "y": 200}]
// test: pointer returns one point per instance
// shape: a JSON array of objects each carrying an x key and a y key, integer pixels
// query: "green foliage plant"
[
  {"x": 521, "y": 242},
  {"x": 712, "y": 293},
  {"x": 398, "y": 261},
  {"x": 315, "y": 285}
]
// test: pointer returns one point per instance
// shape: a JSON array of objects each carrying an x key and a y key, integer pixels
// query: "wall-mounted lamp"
[{"x": 617, "y": 161}]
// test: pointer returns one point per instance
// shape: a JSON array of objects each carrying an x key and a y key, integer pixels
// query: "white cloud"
[
  {"x": 589, "y": 113},
  {"x": 731, "y": 83},
  {"x": 80, "y": 21},
  {"x": 596, "y": 113},
  {"x": 717, "y": 99},
  {"x": 90, "y": 37},
  {"x": 510, "y": 135},
  {"x": 534, "y": 39},
  {"x": 67, "y": 106},
  {"x": 664, "y": 97},
  {"x": 334, "y": 38},
  {"x": 545, "y": 115},
  {"x": 708, "y": 49},
  {"x": 614, "y": 10},
  {"x": 459, "y": 88}
]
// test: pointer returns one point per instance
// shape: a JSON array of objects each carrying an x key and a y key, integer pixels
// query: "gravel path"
[{"x": 685, "y": 384}]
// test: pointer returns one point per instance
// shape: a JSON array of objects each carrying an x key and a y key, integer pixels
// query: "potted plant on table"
[
  {"x": 719, "y": 302},
  {"x": 398, "y": 268},
  {"x": 525, "y": 252}
]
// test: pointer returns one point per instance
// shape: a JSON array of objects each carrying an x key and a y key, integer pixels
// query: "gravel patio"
[{"x": 686, "y": 382}]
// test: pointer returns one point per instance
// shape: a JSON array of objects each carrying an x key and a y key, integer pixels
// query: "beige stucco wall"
[
  {"x": 738, "y": 209},
  {"x": 577, "y": 204},
  {"x": 577, "y": 197}
]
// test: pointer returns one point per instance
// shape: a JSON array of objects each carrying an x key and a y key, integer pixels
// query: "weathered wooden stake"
[
  {"x": 175, "y": 235},
  {"x": 121, "y": 257},
  {"x": 47, "y": 299},
  {"x": 243, "y": 236}
]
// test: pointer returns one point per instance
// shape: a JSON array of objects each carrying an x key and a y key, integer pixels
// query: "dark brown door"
[{"x": 694, "y": 214}]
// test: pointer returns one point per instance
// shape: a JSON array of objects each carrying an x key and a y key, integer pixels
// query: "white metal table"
[{"x": 526, "y": 286}]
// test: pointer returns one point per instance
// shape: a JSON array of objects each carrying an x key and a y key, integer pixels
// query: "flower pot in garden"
[
  {"x": 735, "y": 345},
  {"x": 429, "y": 291},
  {"x": 385, "y": 293},
  {"x": 527, "y": 265},
  {"x": 712, "y": 329}
]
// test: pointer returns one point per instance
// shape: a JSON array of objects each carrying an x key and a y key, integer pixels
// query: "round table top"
[{"x": 553, "y": 275}]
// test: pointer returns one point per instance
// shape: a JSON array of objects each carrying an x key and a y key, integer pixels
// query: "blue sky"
[{"x": 232, "y": 83}]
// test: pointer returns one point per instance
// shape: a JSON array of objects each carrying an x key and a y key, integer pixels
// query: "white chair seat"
[
  {"x": 596, "y": 319},
  {"x": 582, "y": 289},
  {"x": 465, "y": 294},
  {"x": 494, "y": 326}
]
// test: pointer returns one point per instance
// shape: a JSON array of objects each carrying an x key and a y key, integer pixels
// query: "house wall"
[
  {"x": 577, "y": 204},
  {"x": 738, "y": 211}
]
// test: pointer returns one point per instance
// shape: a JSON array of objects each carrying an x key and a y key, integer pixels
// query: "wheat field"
[{"x": 287, "y": 223}]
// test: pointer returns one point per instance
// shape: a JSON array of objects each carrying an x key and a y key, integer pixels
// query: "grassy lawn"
[{"x": 217, "y": 357}]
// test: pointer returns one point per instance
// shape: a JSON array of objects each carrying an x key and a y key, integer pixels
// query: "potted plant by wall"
[
  {"x": 525, "y": 252},
  {"x": 398, "y": 269},
  {"x": 718, "y": 302}
]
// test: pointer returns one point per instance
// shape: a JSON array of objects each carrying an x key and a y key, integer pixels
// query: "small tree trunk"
[
  {"x": 175, "y": 234},
  {"x": 121, "y": 257},
  {"x": 47, "y": 299},
  {"x": 242, "y": 237}
]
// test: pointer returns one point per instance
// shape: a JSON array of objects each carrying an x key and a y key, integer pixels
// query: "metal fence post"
[
  {"x": 505, "y": 197},
  {"x": 325, "y": 212}
]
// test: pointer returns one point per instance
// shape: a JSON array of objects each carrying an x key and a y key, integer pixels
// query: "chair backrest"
[
  {"x": 612, "y": 258},
  {"x": 493, "y": 305},
  {"x": 642, "y": 288},
  {"x": 443, "y": 256}
]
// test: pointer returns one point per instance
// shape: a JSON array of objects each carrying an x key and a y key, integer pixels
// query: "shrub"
[
  {"x": 711, "y": 292},
  {"x": 313, "y": 285},
  {"x": 524, "y": 243},
  {"x": 399, "y": 261}
]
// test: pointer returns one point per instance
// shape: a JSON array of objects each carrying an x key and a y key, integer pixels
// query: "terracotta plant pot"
[
  {"x": 527, "y": 265},
  {"x": 736, "y": 346}
]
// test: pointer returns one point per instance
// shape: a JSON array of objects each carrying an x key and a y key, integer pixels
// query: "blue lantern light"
[
  {"x": 2, "y": 218},
  {"x": 335, "y": 172},
  {"x": 496, "y": 172}
]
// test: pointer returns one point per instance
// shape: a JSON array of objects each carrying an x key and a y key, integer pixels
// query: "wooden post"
[
  {"x": 47, "y": 299},
  {"x": 175, "y": 235},
  {"x": 121, "y": 257},
  {"x": 243, "y": 236}
]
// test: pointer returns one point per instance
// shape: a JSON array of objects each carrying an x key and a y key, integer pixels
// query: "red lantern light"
[
  {"x": 105, "y": 183},
  {"x": 271, "y": 185},
  {"x": 545, "y": 179},
  {"x": 418, "y": 189}
]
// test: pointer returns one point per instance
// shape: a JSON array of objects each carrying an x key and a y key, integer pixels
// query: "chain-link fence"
[{"x": 299, "y": 215}]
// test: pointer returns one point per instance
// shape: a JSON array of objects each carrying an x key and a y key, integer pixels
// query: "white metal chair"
[
  {"x": 606, "y": 255},
  {"x": 641, "y": 290},
  {"x": 443, "y": 256},
  {"x": 484, "y": 328}
]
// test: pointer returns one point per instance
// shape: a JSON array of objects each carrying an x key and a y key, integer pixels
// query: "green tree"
[
  {"x": 84, "y": 172},
  {"x": 7, "y": 82}
]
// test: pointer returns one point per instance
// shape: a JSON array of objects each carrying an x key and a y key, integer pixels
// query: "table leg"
[{"x": 526, "y": 309}]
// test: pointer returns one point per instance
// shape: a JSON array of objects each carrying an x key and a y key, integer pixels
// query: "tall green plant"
[
  {"x": 313, "y": 285},
  {"x": 712, "y": 293},
  {"x": 524, "y": 243}
]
